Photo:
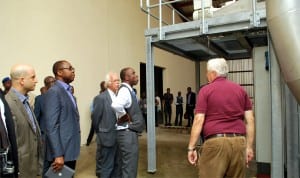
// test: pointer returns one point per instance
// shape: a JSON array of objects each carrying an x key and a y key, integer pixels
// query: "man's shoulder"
[
  {"x": 101, "y": 95},
  {"x": 10, "y": 96}
]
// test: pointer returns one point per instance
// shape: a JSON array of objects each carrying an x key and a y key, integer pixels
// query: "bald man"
[{"x": 26, "y": 127}]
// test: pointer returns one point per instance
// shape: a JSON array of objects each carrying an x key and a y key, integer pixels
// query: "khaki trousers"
[{"x": 223, "y": 157}]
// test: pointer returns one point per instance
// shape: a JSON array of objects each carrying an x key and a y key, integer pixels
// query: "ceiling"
[{"x": 230, "y": 45}]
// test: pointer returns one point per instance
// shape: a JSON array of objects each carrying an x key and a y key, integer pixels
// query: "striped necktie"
[{"x": 30, "y": 114}]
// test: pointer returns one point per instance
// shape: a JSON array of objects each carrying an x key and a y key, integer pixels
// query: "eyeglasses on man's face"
[{"x": 69, "y": 68}]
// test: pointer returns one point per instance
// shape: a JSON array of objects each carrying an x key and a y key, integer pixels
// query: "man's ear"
[
  {"x": 59, "y": 72},
  {"x": 21, "y": 80}
]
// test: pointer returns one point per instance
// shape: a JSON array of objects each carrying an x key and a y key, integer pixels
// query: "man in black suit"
[
  {"x": 168, "y": 100},
  {"x": 190, "y": 106},
  {"x": 8, "y": 136},
  {"x": 104, "y": 122}
]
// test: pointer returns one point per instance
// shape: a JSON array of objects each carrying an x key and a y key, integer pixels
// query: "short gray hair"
[
  {"x": 107, "y": 79},
  {"x": 219, "y": 65}
]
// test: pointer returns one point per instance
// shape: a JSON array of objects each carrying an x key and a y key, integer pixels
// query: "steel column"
[
  {"x": 276, "y": 114},
  {"x": 151, "y": 143}
]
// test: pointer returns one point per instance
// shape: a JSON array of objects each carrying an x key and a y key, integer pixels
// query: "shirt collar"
[
  {"x": 63, "y": 84},
  {"x": 219, "y": 78},
  {"x": 131, "y": 89},
  {"x": 111, "y": 93},
  {"x": 21, "y": 97}
]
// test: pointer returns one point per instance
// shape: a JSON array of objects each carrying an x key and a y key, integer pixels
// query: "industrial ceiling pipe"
[{"x": 284, "y": 26}]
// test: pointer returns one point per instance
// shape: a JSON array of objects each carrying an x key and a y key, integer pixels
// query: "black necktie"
[{"x": 4, "y": 139}]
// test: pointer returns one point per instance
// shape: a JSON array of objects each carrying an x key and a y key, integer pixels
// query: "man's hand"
[
  {"x": 193, "y": 157},
  {"x": 58, "y": 163},
  {"x": 250, "y": 155},
  {"x": 124, "y": 118}
]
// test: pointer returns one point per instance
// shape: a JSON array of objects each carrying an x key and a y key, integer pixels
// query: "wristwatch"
[{"x": 191, "y": 149}]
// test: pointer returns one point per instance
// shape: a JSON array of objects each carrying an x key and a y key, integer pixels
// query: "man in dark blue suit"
[
  {"x": 8, "y": 133},
  {"x": 38, "y": 104},
  {"x": 61, "y": 119},
  {"x": 104, "y": 122}
]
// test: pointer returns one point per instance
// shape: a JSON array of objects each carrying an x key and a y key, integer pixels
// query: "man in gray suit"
[
  {"x": 104, "y": 121},
  {"x": 129, "y": 124},
  {"x": 61, "y": 120},
  {"x": 26, "y": 127}
]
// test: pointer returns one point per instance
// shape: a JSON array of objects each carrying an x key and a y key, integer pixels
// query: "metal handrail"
[{"x": 159, "y": 5}]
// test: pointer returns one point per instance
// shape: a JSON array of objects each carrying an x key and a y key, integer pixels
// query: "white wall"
[
  {"x": 96, "y": 36},
  {"x": 262, "y": 106}
]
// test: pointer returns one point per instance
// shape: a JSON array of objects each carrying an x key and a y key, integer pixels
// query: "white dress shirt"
[{"x": 122, "y": 101}]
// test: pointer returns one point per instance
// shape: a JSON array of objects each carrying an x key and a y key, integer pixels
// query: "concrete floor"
[{"x": 171, "y": 157}]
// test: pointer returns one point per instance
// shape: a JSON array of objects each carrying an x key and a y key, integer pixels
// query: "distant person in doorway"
[
  {"x": 158, "y": 116},
  {"x": 179, "y": 109},
  {"x": 143, "y": 106},
  {"x": 190, "y": 106},
  {"x": 168, "y": 100}
]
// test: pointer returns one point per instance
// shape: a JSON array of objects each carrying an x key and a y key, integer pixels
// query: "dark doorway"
[{"x": 158, "y": 79}]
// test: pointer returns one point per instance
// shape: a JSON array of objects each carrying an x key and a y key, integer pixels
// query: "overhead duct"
[{"x": 284, "y": 26}]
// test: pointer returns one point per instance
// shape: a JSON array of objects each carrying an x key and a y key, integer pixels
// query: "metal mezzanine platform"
[{"x": 231, "y": 36}]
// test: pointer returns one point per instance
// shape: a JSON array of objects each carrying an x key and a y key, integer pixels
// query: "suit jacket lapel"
[
  {"x": 66, "y": 95},
  {"x": 108, "y": 96},
  {"x": 21, "y": 107}
]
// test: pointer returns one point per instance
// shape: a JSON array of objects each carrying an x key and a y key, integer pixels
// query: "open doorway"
[{"x": 158, "y": 79}]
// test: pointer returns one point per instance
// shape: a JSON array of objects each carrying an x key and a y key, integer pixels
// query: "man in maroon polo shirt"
[{"x": 221, "y": 111}]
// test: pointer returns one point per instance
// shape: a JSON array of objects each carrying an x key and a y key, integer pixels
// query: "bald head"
[
  {"x": 19, "y": 70},
  {"x": 23, "y": 78}
]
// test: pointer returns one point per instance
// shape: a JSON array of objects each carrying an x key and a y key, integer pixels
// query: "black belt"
[
  {"x": 224, "y": 135},
  {"x": 127, "y": 129}
]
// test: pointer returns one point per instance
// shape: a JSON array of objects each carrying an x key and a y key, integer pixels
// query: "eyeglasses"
[
  {"x": 117, "y": 80},
  {"x": 69, "y": 68}
]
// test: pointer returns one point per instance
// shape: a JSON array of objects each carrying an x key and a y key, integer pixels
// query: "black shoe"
[{"x": 87, "y": 144}]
